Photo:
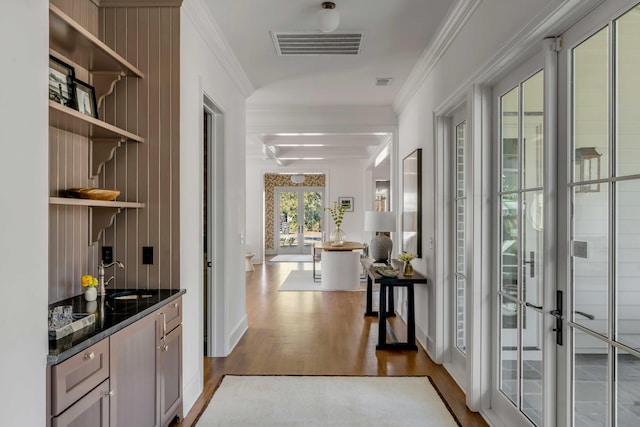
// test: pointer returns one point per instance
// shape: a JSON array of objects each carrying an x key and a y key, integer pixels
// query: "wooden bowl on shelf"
[{"x": 93, "y": 193}]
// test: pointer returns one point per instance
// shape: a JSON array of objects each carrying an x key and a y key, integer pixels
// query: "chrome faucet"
[{"x": 101, "y": 283}]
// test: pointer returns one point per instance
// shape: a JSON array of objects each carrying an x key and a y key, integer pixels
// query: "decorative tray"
[
  {"x": 80, "y": 321},
  {"x": 387, "y": 271},
  {"x": 93, "y": 193}
]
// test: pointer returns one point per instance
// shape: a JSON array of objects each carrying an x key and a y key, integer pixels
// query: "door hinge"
[{"x": 557, "y": 44}]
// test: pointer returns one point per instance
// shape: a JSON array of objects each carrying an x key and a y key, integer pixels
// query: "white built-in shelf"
[
  {"x": 76, "y": 43},
  {"x": 101, "y": 212}
]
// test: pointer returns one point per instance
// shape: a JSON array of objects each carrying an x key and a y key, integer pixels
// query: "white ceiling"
[{"x": 396, "y": 32}]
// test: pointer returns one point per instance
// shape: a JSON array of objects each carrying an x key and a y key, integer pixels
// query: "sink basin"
[{"x": 132, "y": 295}]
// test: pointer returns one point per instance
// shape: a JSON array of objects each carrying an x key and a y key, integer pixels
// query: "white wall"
[
  {"x": 475, "y": 48},
  {"x": 24, "y": 43},
  {"x": 202, "y": 72}
]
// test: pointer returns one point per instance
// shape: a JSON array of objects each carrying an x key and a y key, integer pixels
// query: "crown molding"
[
  {"x": 137, "y": 3},
  {"x": 447, "y": 31},
  {"x": 198, "y": 13}
]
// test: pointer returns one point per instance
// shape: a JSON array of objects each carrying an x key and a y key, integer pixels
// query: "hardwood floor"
[{"x": 317, "y": 333}]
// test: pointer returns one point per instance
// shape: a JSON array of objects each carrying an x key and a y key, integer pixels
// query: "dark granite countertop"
[{"x": 111, "y": 316}]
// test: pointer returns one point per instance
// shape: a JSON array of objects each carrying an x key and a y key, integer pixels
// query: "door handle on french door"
[
  {"x": 587, "y": 315},
  {"x": 539, "y": 307},
  {"x": 532, "y": 271},
  {"x": 557, "y": 313}
]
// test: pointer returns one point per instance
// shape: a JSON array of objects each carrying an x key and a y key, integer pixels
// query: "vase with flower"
[
  {"x": 337, "y": 237},
  {"x": 90, "y": 282},
  {"x": 407, "y": 268}
]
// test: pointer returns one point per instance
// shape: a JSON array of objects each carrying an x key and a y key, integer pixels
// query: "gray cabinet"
[
  {"x": 133, "y": 375},
  {"x": 169, "y": 361},
  {"x": 132, "y": 378},
  {"x": 76, "y": 376},
  {"x": 146, "y": 370},
  {"x": 170, "y": 377},
  {"x": 90, "y": 411}
]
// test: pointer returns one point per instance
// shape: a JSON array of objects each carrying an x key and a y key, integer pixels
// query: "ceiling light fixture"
[
  {"x": 329, "y": 17},
  {"x": 297, "y": 179}
]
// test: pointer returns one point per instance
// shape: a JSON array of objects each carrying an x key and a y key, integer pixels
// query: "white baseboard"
[
  {"x": 237, "y": 333},
  {"x": 191, "y": 391}
]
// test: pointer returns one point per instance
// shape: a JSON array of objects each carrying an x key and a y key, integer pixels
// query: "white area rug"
[
  {"x": 302, "y": 280},
  {"x": 292, "y": 258},
  {"x": 326, "y": 401}
]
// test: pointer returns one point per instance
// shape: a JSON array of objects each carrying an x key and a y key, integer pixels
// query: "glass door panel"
[
  {"x": 521, "y": 270},
  {"x": 313, "y": 212},
  {"x": 628, "y": 263},
  {"x": 300, "y": 215},
  {"x": 590, "y": 378},
  {"x": 605, "y": 224},
  {"x": 591, "y": 259},
  {"x": 459, "y": 238},
  {"x": 627, "y": 389},
  {"x": 628, "y": 92},
  {"x": 289, "y": 206},
  {"x": 591, "y": 108}
]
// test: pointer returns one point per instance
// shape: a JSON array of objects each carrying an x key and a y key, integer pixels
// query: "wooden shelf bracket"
[
  {"x": 100, "y": 152},
  {"x": 104, "y": 82},
  {"x": 99, "y": 219}
]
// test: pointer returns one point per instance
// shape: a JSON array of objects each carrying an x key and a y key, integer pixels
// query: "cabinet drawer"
[
  {"x": 76, "y": 376},
  {"x": 90, "y": 411},
  {"x": 173, "y": 313}
]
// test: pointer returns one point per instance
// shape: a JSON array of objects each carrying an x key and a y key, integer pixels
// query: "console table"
[{"x": 387, "y": 285}]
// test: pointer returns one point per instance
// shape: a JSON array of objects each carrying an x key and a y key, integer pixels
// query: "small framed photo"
[
  {"x": 346, "y": 203},
  {"x": 86, "y": 99},
  {"x": 61, "y": 78}
]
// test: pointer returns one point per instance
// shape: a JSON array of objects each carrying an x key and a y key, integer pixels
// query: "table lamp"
[{"x": 380, "y": 223}]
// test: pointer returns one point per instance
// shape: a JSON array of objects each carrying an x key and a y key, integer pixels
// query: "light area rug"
[
  {"x": 302, "y": 280},
  {"x": 292, "y": 258},
  {"x": 326, "y": 401}
]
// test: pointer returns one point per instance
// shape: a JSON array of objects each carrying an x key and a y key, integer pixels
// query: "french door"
[
  {"x": 524, "y": 355},
  {"x": 601, "y": 76},
  {"x": 457, "y": 364},
  {"x": 299, "y": 214}
]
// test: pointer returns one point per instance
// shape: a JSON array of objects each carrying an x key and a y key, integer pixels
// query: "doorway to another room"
[
  {"x": 212, "y": 223},
  {"x": 300, "y": 212},
  {"x": 293, "y": 212}
]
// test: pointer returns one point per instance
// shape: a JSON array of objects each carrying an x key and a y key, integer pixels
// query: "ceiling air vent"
[
  {"x": 383, "y": 81},
  {"x": 312, "y": 44}
]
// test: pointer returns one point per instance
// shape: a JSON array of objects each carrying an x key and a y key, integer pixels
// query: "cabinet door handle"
[
  {"x": 164, "y": 324},
  {"x": 89, "y": 356},
  {"x": 175, "y": 305},
  {"x": 108, "y": 393}
]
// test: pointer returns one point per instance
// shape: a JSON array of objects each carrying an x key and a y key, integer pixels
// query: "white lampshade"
[
  {"x": 328, "y": 17},
  {"x": 379, "y": 221}
]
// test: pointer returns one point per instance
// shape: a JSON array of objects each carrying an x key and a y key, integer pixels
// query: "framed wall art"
[{"x": 346, "y": 203}]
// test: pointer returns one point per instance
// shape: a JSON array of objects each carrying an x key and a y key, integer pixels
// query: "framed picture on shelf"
[
  {"x": 346, "y": 203},
  {"x": 86, "y": 99},
  {"x": 61, "y": 78}
]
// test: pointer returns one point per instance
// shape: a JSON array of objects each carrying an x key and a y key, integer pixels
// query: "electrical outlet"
[
  {"x": 107, "y": 254},
  {"x": 147, "y": 254}
]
